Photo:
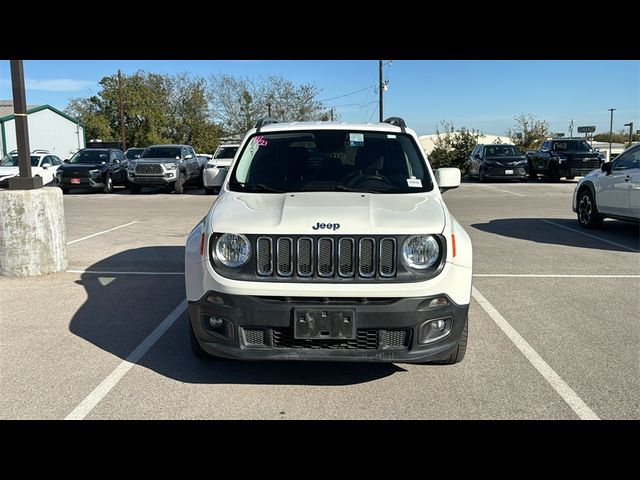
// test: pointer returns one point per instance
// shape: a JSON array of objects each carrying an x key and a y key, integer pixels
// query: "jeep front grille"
[
  {"x": 149, "y": 169},
  {"x": 326, "y": 257}
]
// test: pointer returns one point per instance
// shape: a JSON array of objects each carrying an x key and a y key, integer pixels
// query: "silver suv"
[{"x": 164, "y": 165}]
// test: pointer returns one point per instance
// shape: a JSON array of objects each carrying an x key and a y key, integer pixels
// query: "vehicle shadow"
[
  {"x": 121, "y": 310},
  {"x": 539, "y": 231}
]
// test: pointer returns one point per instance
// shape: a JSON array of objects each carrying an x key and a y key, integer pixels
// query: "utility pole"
[
  {"x": 610, "y": 132},
  {"x": 380, "y": 89},
  {"x": 269, "y": 108},
  {"x": 122, "y": 140},
  {"x": 24, "y": 180},
  {"x": 332, "y": 114},
  {"x": 630, "y": 125},
  {"x": 571, "y": 128}
]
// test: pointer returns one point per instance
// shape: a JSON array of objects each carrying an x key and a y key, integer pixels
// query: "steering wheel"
[{"x": 361, "y": 179}]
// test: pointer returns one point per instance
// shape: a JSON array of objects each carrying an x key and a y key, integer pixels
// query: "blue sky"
[{"x": 480, "y": 94}]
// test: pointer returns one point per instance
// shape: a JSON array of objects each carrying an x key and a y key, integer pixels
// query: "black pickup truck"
[{"x": 568, "y": 158}]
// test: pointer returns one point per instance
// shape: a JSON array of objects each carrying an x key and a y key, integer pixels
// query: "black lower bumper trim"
[{"x": 261, "y": 328}]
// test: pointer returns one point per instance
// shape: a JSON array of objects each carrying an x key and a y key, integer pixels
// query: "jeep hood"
[
  {"x": 9, "y": 171},
  {"x": 356, "y": 213}
]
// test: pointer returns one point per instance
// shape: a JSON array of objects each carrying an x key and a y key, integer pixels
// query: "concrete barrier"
[{"x": 32, "y": 232}]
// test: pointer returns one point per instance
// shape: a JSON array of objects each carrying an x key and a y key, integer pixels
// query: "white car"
[
  {"x": 330, "y": 241},
  {"x": 43, "y": 164},
  {"x": 216, "y": 169},
  {"x": 612, "y": 191}
]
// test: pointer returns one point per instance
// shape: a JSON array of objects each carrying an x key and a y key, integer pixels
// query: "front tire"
[
  {"x": 459, "y": 352},
  {"x": 211, "y": 190},
  {"x": 554, "y": 174},
  {"x": 196, "y": 349},
  {"x": 481, "y": 178},
  {"x": 108, "y": 184},
  {"x": 588, "y": 215},
  {"x": 64, "y": 190},
  {"x": 178, "y": 187}
]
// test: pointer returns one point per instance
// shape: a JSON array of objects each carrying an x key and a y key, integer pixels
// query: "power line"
[{"x": 347, "y": 94}]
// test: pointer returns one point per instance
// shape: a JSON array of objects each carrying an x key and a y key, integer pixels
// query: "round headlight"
[
  {"x": 233, "y": 250},
  {"x": 420, "y": 251}
]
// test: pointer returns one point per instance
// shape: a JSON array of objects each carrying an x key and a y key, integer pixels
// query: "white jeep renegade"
[{"x": 330, "y": 241}]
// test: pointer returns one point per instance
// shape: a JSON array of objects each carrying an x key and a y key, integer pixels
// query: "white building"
[
  {"x": 49, "y": 129},
  {"x": 428, "y": 141}
]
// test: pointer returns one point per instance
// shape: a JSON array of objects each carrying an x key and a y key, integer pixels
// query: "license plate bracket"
[{"x": 324, "y": 323}]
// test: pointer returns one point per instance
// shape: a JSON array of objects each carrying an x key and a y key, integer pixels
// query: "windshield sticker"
[
  {"x": 260, "y": 141},
  {"x": 414, "y": 182},
  {"x": 356, "y": 139},
  {"x": 390, "y": 135}
]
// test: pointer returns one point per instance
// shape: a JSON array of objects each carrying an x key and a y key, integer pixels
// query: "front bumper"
[
  {"x": 86, "y": 183},
  {"x": 501, "y": 172},
  {"x": 261, "y": 328},
  {"x": 214, "y": 177},
  {"x": 151, "y": 180}
]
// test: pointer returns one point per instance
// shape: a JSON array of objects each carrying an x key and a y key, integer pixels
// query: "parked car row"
[
  {"x": 556, "y": 158},
  {"x": 102, "y": 169}
]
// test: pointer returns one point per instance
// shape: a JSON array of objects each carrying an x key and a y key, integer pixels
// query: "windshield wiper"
[{"x": 260, "y": 187}]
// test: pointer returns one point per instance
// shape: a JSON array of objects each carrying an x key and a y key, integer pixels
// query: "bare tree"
[{"x": 528, "y": 133}]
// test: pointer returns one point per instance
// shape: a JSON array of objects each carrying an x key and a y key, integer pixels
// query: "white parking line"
[
  {"x": 533, "y": 275},
  {"x": 88, "y": 404},
  {"x": 592, "y": 236},
  {"x": 96, "y": 272},
  {"x": 557, "y": 383},
  {"x": 501, "y": 190},
  {"x": 101, "y": 233}
]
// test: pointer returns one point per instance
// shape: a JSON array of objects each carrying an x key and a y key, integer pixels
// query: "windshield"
[
  {"x": 132, "y": 152},
  {"x": 90, "y": 156},
  {"x": 502, "y": 151},
  {"x": 327, "y": 160},
  {"x": 161, "y": 152},
  {"x": 12, "y": 161},
  {"x": 225, "y": 152},
  {"x": 571, "y": 146}
]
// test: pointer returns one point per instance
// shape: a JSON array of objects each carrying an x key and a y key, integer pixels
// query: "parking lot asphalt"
[{"x": 99, "y": 340}]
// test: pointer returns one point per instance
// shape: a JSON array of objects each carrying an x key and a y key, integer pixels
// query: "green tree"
[
  {"x": 528, "y": 133},
  {"x": 157, "y": 109},
  {"x": 453, "y": 147}
]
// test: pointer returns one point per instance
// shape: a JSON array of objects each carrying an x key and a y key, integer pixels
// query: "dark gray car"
[{"x": 497, "y": 161}]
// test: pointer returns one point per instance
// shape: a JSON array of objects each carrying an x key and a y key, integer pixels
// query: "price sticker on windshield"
[
  {"x": 414, "y": 182},
  {"x": 356, "y": 139}
]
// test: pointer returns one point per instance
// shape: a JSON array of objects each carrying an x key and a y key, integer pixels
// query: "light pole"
[
  {"x": 630, "y": 125},
  {"x": 269, "y": 108},
  {"x": 610, "y": 131},
  {"x": 380, "y": 86}
]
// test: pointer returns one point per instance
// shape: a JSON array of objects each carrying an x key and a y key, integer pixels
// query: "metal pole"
[
  {"x": 122, "y": 140},
  {"x": 268, "y": 109},
  {"x": 630, "y": 125},
  {"x": 24, "y": 180},
  {"x": 332, "y": 114},
  {"x": 380, "y": 87},
  {"x": 610, "y": 132}
]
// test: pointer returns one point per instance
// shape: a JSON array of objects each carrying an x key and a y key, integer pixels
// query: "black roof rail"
[
  {"x": 397, "y": 121},
  {"x": 265, "y": 121}
]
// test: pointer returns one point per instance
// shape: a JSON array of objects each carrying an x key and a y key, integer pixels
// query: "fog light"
[
  {"x": 215, "y": 299},
  {"x": 435, "y": 329},
  {"x": 215, "y": 322},
  {"x": 437, "y": 325}
]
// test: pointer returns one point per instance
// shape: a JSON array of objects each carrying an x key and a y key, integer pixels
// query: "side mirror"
[
  {"x": 66, "y": 160},
  {"x": 477, "y": 155},
  {"x": 606, "y": 168},
  {"x": 188, "y": 156},
  {"x": 447, "y": 178},
  {"x": 544, "y": 150},
  {"x": 45, "y": 166},
  {"x": 115, "y": 160}
]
